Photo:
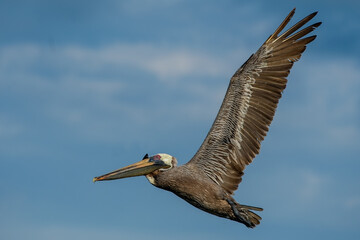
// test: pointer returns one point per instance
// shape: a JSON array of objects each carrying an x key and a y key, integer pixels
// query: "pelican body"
[{"x": 209, "y": 179}]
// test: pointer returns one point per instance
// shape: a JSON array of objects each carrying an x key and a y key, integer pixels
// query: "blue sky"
[{"x": 90, "y": 86}]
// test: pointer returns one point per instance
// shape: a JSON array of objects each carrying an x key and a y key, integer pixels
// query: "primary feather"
[{"x": 249, "y": 105}]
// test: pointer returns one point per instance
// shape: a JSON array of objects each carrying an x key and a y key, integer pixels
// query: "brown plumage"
[{"x": 210, "y": 178}]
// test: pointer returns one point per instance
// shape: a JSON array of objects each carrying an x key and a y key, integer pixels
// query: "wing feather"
[{"x": 249, "y": 105}]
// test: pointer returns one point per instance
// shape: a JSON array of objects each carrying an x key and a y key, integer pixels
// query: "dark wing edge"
[{"x": 249, "y": 105}]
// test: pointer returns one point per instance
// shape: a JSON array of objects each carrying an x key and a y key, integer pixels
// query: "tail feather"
[
  {"x": 243, "y": 214},
  {"x": 251, "y": 207},
  {"x": 247, "y": 217}
]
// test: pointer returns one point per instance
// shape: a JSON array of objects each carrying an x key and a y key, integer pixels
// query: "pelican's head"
[{"x": 146, "y": 166}]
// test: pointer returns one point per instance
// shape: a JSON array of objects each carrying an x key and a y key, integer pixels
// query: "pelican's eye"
[{"x": 156, "y": 157}]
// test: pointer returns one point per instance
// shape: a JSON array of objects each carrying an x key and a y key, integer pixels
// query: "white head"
[
  {"x": 166, "y": 159},
  {"x": 169, "y": 160}
]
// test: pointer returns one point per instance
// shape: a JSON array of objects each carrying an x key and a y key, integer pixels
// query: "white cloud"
[
  {"x": 328, "y": 105},
  {"x": 60, "y": 232},
  {"x": 307, "y": 196},
  {"x": 84, "y": 86},
  {"x": 164, "y": 63},
  {"x": 303, "y": 187},
  {"x": 182, "y": 63},
  {"x": 310, "y": 187},
  {"x": 74, "y": 86}
]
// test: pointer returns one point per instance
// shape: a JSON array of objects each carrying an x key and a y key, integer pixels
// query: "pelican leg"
[
  {"x": 234, "y": 209},
  {"x": 243, "y": 214}
]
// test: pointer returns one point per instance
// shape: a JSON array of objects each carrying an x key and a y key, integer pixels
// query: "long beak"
[{"x": 143, "y": 167}]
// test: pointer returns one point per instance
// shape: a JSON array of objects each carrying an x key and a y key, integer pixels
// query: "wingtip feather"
[{"x": 282, "y": 25}]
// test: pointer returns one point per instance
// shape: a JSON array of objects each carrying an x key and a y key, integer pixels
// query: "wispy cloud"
[
  {"x": 164, "y": 63},
  {"x": 59, "y": 232},
  {"x": 304, "y": 195},
  {"x": 328, "y": 103},
  {"x": 83, "y": 88},
  {"x": 77, "y": 81}
]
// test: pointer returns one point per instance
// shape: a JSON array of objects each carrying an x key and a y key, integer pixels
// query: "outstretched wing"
[{"x": 249, "y": 105}]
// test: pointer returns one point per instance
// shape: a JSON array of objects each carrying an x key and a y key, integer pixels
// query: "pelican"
[{"x": 209, "y": 179}]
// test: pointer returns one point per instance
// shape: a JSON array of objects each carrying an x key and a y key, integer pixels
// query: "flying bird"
[{"x": 209, "y": 179}]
